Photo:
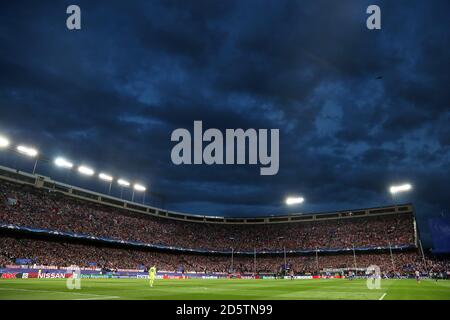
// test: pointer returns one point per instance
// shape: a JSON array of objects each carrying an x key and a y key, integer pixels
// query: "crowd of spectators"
[
  {"x": 37, "y": 208},
  {"x": 64, "y": 254}
]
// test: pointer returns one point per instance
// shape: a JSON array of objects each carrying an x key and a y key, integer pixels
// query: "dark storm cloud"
[{"x": 357, "y": 109}]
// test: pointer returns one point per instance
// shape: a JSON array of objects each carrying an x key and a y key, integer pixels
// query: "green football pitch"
[{"x": 108, "y": 289}]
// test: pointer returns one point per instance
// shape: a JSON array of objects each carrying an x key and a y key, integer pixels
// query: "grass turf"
[{"x": 99, "y": 289}]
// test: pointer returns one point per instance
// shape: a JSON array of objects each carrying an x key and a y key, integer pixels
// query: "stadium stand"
[
  {"x": 41, "y": 209},
  {"x": 64, "y": 254},
  {"x": 61, "y": 226}
]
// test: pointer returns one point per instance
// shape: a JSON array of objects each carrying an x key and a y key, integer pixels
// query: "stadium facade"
[
  {"x": 330, "y": 242},
  {"x": 47, "y": 183}
]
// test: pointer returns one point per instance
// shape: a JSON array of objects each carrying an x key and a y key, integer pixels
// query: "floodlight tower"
[
  {"x": 397, "y": 189},
  {"x": 138, "y": 187},
  {"x": 106, "y": 177},
  {"x": 65, "y": 164},
  {"x": 122, "y": 183},
  {"x": 29, "y": 152},
  {"x": 4, "y": 142}
]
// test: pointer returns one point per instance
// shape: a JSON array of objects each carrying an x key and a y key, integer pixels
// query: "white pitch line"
[
  {"x": 99, "y": 298},
  {"x": 63, "y": 292},
  {"x": 382, "y": 297}
]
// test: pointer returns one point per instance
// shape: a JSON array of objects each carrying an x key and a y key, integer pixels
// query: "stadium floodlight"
[
  {"x": 400, "y": 188},
  {"x": 294, "y": 200},
  {"x": 28, "y": 151},
  {"x": 63, "y": 163},
  {"x": 85, "y": 170},
  {"x": 123, "y": 183},
  {"x": 139, "y": 187},
  {"x": 105, "y": 177},
  {"x": 4, "y": 142}
]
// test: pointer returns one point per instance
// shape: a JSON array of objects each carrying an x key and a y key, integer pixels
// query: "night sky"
[{"x": 358, "y": 110}]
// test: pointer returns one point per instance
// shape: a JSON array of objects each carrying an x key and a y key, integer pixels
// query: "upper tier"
[{"x": 45, "y": 204}]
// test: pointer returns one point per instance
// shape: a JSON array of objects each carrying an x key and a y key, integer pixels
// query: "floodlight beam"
[
  {"x": 105, "y": 177},
  {"x": 85, "y": 170},
  {"x": 400, "y": 188},
  {"x": 294, "y": 200},
  {"x": 123, "y": 183},
  {"x": 28, "y": 151},
  {"x": 4, "y": 142},
  {"x": 61, "y": 162},
  {"x": 139, "y": 187}
]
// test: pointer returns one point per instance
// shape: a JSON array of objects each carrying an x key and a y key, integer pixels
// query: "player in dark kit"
[{"x": 350, "y": 275}]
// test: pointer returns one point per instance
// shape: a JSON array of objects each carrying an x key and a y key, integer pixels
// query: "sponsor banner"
[
  {"x": 54, "y": 275},
  {"x": 303, "y": 277},
  {"x": 130, "y": 270},
  {"x": 17, "y": 275},
  {"x": 13, "y": 266},
  {"x": 174, "y": 277},
  {"x": 41, "y": 267},
  {"x": 95, "y": 276},
  {"x": 328, "y": 277}
]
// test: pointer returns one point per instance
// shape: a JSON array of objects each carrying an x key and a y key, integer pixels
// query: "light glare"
[
  {"x": 61, "y": 162},
  {"x": 105, "y": 177},
  {"x": 139, "y": 187},
  {"x": 123, "y": 183},
  {"x": 31, "y": 152},
  {"x": 400, "y": 188},
  {"x": 85, "y": 170},
  {"x": 294, "y": 200},
  {"x": 3, "y": 142}
]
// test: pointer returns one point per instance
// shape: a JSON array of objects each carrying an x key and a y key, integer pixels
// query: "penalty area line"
[{"x": 382, "y": 297}]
